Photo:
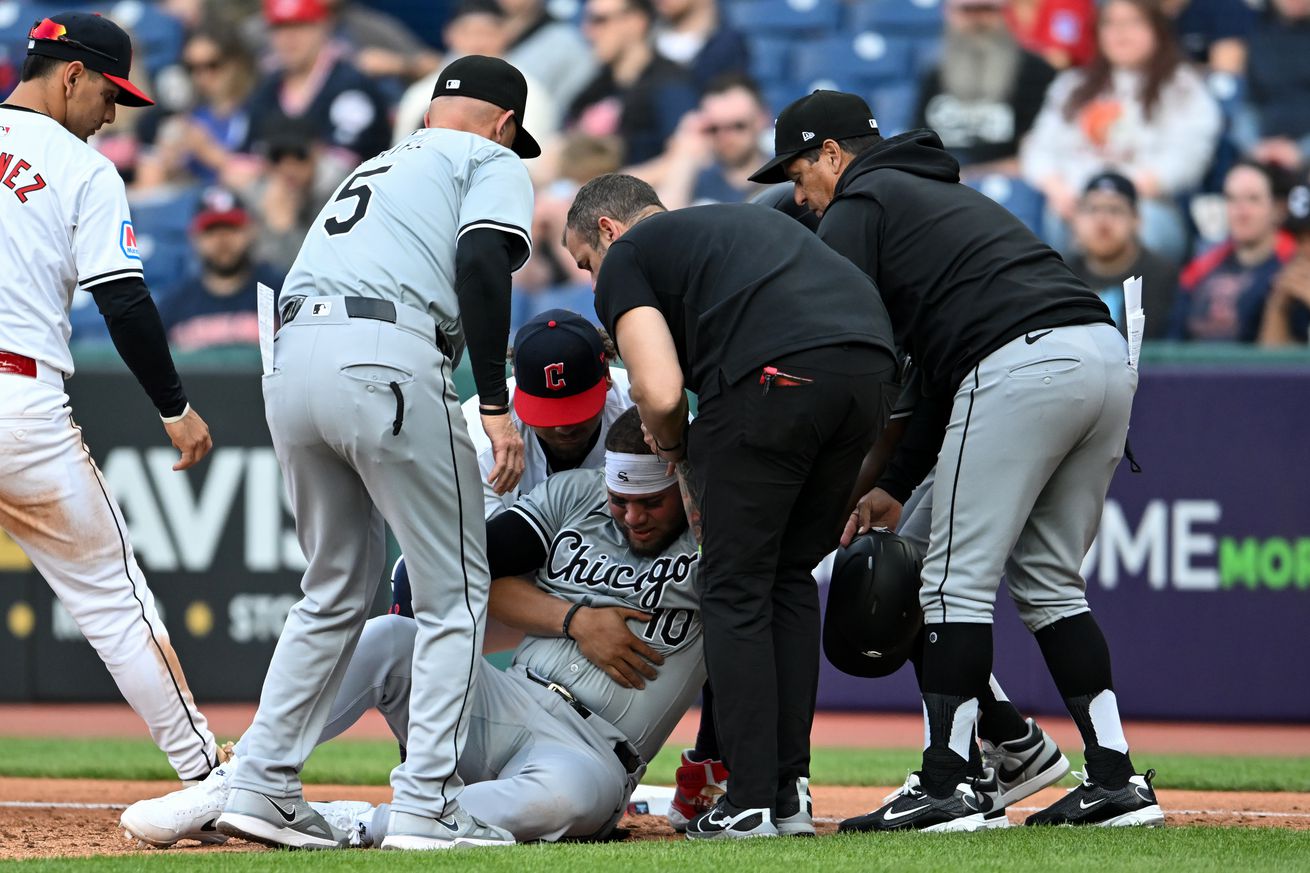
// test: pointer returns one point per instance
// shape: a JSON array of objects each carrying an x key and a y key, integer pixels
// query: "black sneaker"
[
  {"x": 910, "y": 808},
  {"x": 723, "y": 821},
  {"x": 1092, "y": 804}
]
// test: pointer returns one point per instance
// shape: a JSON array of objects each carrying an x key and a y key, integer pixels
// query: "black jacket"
[{"x": 959, "y": 274}]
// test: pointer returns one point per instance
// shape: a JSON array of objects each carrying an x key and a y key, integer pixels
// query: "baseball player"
[
  {"x": 557, "y": 743},
  {"x": 410, "y": 260},
  {"x": 66, "y": 224},
  {"x": 1024, "y": 400}
]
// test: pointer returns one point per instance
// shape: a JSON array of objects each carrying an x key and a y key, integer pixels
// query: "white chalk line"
[{"x": 47, "y": 804}]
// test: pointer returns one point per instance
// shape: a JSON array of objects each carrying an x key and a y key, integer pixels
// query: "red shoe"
[{"x": 699, "y": 784}]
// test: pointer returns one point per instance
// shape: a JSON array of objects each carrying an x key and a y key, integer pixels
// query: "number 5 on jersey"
[{"x": 358, "y": 190}]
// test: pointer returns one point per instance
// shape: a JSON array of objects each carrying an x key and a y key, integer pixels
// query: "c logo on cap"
[{"x": 555, "y": 376}]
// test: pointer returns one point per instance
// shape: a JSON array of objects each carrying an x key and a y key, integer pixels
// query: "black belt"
[
  {"x": 366, "y": 307},
  {"x": 623, "y": 750}
]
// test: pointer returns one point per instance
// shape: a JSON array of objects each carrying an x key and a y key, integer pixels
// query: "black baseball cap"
[
  {"x": 97, "y": 42},
  {"x": 1114, "y": 183},
  {"x": 497, "y": 82},
  {"x": 807, "y": 122},
  {"x": 559, "y": 370}
]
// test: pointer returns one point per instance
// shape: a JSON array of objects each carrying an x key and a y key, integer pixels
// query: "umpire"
[
  {"x": 1026, "y": 392},
  {"x": 789, "y": 349}
]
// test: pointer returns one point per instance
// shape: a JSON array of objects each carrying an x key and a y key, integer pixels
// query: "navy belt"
[{"x": 367, "y": 307}]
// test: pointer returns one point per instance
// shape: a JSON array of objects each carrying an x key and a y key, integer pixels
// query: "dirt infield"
[{"x": 69, "y": 817}]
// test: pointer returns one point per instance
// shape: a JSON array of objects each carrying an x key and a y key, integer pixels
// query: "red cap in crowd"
[{"x": 294, "y": 11}]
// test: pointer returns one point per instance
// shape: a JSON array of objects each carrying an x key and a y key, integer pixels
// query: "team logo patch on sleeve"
[{"x": 127, "y": 241}]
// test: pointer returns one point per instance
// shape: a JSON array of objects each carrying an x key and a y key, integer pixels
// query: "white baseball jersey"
[
  {"x": 449, "y": 183},
  {"x": 66, "y": 225},
  {"x": 588, "y": 560},
  {"x": 535, "y": 470}
]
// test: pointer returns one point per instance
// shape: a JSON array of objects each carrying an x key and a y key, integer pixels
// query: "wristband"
[
  {"x": 493, "y": 410},
  {"x": 174, "y": 419},
  {"x": 672, "y": 448},
  {"x": 568, "y": 618}
]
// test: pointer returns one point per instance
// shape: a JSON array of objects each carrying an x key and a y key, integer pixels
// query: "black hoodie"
[{"x": 959, "y": 274}]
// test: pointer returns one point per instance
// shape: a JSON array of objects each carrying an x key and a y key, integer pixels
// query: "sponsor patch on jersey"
[
  {"x": 127, "y": 241},
  {"x": 320, "y": 308}
]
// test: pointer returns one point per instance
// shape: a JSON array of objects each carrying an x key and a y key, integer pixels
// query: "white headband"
[{"x": 637, "y": 474}]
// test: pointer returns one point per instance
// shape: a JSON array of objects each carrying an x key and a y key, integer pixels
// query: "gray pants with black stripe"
[
  {"x": 1036, "y": 431},
  {"x": 367, "y": 426}
]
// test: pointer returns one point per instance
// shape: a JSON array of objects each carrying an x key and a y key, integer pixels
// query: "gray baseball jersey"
[
  {"x": 588, "y": 560},
  {"x": 419, "y": 207},
  {"x": 535, "y": 469}
]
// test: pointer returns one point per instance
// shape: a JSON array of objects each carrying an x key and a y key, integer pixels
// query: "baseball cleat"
[
  {"x": 187, "y": 814},
  {"x": 1092, "y": 804},
  {"x": 698, "y": 783},
  {"x": 280, "y": 822},
  {"x": 794, "y": 810},
  {"x": 723, "y": 821},
  {"x": 351, "y": 817},
  {"x": 456, "y": 830},
  {"x": 1026, "y": 765},
  {"x": 910, "y": 808}
]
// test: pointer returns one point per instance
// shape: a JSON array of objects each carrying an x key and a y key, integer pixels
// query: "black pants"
[{"x": 775, "y": 470}]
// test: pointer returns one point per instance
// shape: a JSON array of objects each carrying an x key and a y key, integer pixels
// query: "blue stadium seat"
[
  {"x": 893, "y": 106},
  {"x": 926, "y": 52},
  {"x": 1016, "y": 195},
  {"x": 162, "y": 223},
  {"x": 865, "y": 59},
  {"x": 770, "y": 57},
  {"x": 16, "y": 19},
  {"x": 897, "y": 17},
  {"x": 785, "y": 16}
]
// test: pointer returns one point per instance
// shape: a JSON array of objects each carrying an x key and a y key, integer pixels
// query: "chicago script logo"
[{"x": 583, "y": 563}]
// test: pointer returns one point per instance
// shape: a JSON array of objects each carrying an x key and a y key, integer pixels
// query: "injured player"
[{"x": 611, "y": 661}]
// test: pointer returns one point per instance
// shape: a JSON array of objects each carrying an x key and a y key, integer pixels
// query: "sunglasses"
[
  {"x": 205, "y": 66},
  {"x": 55, "y": 32},
  {"x": 727, "y": 127}
]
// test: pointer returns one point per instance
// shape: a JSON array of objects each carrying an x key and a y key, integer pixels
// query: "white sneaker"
[
  {"x": 456, "y": 830},
  {"x": 1024, "y": 766},
  {"x": 186, "y": 814},
  {"x": 354, "y": 817}
]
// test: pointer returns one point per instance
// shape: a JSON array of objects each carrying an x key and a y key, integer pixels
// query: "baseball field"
[{"x": 1237, "y": 798}]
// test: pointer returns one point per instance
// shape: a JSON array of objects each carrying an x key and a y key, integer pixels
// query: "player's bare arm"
[
  {"x": 190, "y": 436},
  {"x": 656, "y": 376},
  {"x": 601, "y": 633}
]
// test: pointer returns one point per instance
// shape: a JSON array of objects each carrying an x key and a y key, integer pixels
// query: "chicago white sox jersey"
[
  {"x": 65, "y": 224},
  {"x": 588, "y": 560},
  {"x": 535, "y": 471},
  {"x": 390, "y": 229}
]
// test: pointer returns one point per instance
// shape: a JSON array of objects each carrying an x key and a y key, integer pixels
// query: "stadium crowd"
[{"x": 1164, "y": 138}]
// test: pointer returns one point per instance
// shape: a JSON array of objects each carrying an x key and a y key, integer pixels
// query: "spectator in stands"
[
  {"x": 714, "y": 151},
  {"x": 477, "y": 27},
  {"x": 1213, "y": 33},
  {"x": 693, "y": 33},
  {"x": 638, "y": 94},
  {"x": 300, "y": 177},
  {"x": 1137, "y": 109},
  {"x": 218, "y": 306},
  {"x": 549, "y": 51},
  {"x": 221, "y": 73},
  {"x": 1275, "y": 128},
  {"x": 379, "y": 44},
  {"x": 1222, "y": 293},
  {"x": 1287, "y": 314},
  {"x": 1063, "y": 32},
  {"x": 983, "y": 96},
  {"x": 314, "y": 82},
  {"x": 1105, "y": 228}
]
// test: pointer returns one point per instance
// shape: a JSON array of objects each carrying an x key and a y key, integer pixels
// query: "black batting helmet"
[{"x": 873, "y": 613}]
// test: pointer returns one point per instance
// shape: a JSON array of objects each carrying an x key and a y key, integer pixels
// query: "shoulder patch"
[{"x": 127, "y": 241}]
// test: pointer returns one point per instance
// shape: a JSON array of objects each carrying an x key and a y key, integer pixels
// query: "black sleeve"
[
  {"x": 484, "y": 258},
  {"x": 622, "y": 285},
  {"x": 514, "y": 547},
  {"x": 138, "y": 334},
  {"x": 850, "y": 227},
  {"x": 916, "y": 454}
]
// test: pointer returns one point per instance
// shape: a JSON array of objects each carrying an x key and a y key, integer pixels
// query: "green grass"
[
  {"x": 1016, "y": 850},
  {"x": 370, "y": 762}
]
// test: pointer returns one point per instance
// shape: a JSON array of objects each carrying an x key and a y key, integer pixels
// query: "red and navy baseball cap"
[
  {"x": 97, "y": 42},
  {"x": 559, "y": 370},
  {"x": 805, "y": 123},
  {"x": 219, "y": 207}
]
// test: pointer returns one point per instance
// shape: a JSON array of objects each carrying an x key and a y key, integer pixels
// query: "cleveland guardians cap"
[
  {"x": 1114, "y": 183},
  {"x": 559, "y": 370},
  {"x": 807, "y": 122},
  {"x": 219, "y": 207},
  {"x": 97, "y": 42},
  {"x": 280, "y": 12},
  {"x": 497, "y": 82}
]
